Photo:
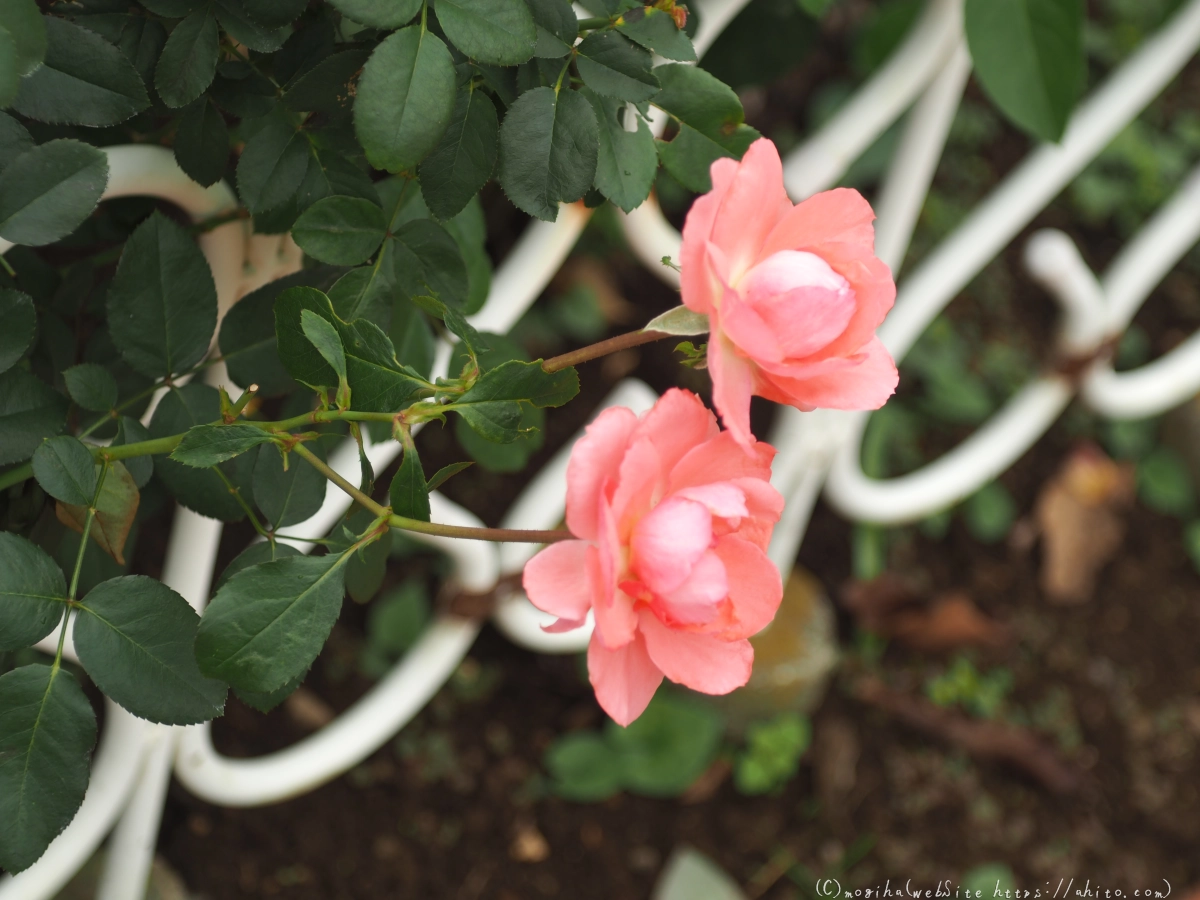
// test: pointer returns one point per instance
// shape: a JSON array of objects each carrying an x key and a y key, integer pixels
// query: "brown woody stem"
[{"x": 603, "y": 348}]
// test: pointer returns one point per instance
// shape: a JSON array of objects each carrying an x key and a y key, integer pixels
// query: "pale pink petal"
[
  {"x": 722, "y": 498},
  {"x": 641, "y": 484},
  {"x": 721, "y": 459},
  {"x": 595, "y": 458},
  {"x": 677, "y": 423},
  {"x": 765, "y": 505},
  {"x": 616, "y": 621},
  {"x": 557, "y": 579},
  {"x": 697, "y": 600},
  {"x": 698, "y": 288},
  {"x": 751, "y": 207},
  {"x": 840, "y": 215},
  {"x": 874, "y": 294},
  {"x": 558, "y": 626},
  {"x": 669, "y": 541},
  {"x": 624, "y": 679},
  {"x": 866, "y": 384},
  {"x": 755, "y": 587},
  {"x": 803, "y": 303},
  {"x": 700, "y": 661},
  {"x": 733, "y": 383},
  {"x": 742, "y": 324}
]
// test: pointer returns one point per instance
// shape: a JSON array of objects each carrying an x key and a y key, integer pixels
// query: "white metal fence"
[{"x": 926, "y": 75}]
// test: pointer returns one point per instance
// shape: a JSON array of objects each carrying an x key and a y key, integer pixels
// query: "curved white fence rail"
[{"x": 926, "y": 74}]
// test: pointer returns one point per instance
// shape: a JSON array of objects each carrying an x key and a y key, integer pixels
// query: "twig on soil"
[{"x": 983, "y": 740}]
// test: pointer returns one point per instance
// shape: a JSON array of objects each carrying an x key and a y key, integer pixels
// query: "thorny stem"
[
  {"x": 603, "y": 348},
  {"x": 597, "y": 22}
]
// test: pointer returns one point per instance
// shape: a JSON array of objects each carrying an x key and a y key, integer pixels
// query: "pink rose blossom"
[
  {"x": 793, "y": 293},
  {"x": 672, "y": 517}
]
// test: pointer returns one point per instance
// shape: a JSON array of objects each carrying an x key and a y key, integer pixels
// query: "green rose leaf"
[
  {"x": 492, "y": 407},
  {"x": 245, "y": 30},
  {"x": 189, "y": 60},
  {"x": 47, "y": 192},
  {"x": 379, "y": 13},
  {"x": 364, "y": 293},
  {"x": 47, "y": 731},
  {"x": 162, "y": 305},
  {"x": 91, "y": 386},
  {"x": 201, "y": 490},
  {"x": 30, "y": 412},
  {"x": 202, "y": 142},
  {"x": 10, "y": 78},
  {"x": 268, "y": 622},
  {"x": 23, "y": 21},
  {"x": 445, "y": 473},
  {"x": 464, "y": 159},
  {"x": 500, "y": 32},
  {"x": 1029, "y": 58},
  {"x": 584, "y": 768},
  {"x": 274, "y": 13},
  {"x": 425, "y": 259},
  {"x": 378, "y": 382},
  {"x": 20, "y": 322},
  {"x": 322, "y": 335},
  {"x": 404, "y": 99},
  {"x": 342, "y": 231},
  {"x": 65, "y": 469},
  {"x": 613, "y": 66},
  {"x": 655, "y": 30},
  {"x": 15, "y": 139},
  {"x": 291, "y": 496},
  {"x": 326, "y": 86},
  {"x": 33, "y": 593},
  {"x": 272, "y": 165},
  {"x": 628, "y": 161},
  {"x": 247, "y": 338},
  {"x": 263, "y": 551},
  {"x": 557, "y": 28},
  {"x": 470, "y": 233},
  {"x": 681, "y": 321},
  {"x": 84, "y": 80},
  {"x": 548, "y": 149},
  {"x": 409, "y": 493},
  {"x": 209, "y": 445},
  {"x": 711, "y": 123},
  {"x": 134, "y": 638}
]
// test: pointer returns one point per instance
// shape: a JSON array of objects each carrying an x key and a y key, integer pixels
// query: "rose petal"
[
  {"x": 669, "y": 541},
  {"x": 559, "y": 579},
  {"x": 800, "y": 300},
  {"x": 866, "y": 383},
  {"x": 698, "y": 288},
  {"x": 751, "y": 207},
  {"x": 722, "y": 498},
  {"x": 697, "y": 600},
  {"x": 841, "y": 215},
  {"x": 733, "y": 383},
  {"x": 755, "y": 587},
  {"x": 624, "y": 680},
  {"x": 595, "y": 458},
  {"x": 700, "y": 661},
  {"x": 677, "y": 423}
]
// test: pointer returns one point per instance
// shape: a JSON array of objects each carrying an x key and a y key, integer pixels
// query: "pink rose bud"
[
  {"x": 672, "y": 517},
  {"x": 793, "y": 293}
]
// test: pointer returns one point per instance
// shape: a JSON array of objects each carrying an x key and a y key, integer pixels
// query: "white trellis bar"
[{"x": 925, "y": 76}]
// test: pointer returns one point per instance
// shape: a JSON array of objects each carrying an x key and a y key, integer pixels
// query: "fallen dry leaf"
[
  {"x": 892, "y": 607},
  {"x": 952, "y": 621},
  {"x": 1077, "y": 514}
]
